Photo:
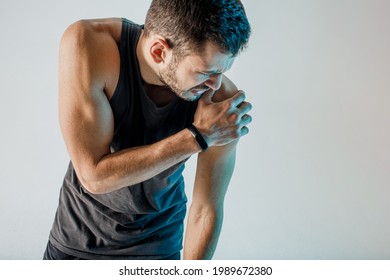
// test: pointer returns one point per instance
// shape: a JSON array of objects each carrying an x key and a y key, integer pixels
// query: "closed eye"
[{"x": 211, "y": 74}]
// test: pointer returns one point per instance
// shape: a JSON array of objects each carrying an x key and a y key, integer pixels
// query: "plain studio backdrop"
[{"x": 312, "y": 179}]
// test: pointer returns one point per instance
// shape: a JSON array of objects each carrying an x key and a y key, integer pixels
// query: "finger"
[
  {"x": 244, "y": 131},
  {"x": 237, "y": 98},
  {"x": 245, "y": 120},
  {"x": 244, "y": 107}
]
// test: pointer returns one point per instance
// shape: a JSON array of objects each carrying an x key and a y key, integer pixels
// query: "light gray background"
[{"x": 312, "y": 178}]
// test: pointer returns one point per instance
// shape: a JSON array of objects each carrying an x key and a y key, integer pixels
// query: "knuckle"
[
  {"x": 235, "y": 134},
  {"x": 227, "y": 105},
  {"x": 234, "y": 117}
]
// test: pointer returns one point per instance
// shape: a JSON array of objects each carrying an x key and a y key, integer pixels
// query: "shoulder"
[
  {"x": 226, "y": 91},
  {"x": 89, "y": 29},
  {"x": 89, "y": 52}
]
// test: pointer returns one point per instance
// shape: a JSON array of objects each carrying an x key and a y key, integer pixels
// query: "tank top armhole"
[{"x": 121, "y": 53}]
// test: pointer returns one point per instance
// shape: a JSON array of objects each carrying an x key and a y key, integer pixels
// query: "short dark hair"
[{"x": 188, "y": 24}]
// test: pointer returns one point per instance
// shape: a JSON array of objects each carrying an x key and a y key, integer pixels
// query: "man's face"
[{"x": 193, "y": 75}]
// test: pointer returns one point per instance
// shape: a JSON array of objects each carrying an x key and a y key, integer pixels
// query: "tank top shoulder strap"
[{"x": 125, "y": 102}]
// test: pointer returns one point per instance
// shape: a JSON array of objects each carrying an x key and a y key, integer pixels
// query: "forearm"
[
  {"x": 214, "y": 170},
  {"x": 202, "y": 233},
  {"x": 134, "y": 165}
]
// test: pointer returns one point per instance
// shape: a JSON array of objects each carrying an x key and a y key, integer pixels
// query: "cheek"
[{"x": 187, "y": 81}]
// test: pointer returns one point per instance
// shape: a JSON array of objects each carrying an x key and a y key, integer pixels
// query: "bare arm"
[{"x": 214, "y": 171}]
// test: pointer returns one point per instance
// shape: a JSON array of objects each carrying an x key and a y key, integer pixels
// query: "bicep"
[
  {"x": 87, "y": 127},
  {"x": 214, "y": 171},
  {"x": 85, "y": 114}
]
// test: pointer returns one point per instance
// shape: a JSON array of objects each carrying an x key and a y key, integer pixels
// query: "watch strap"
[{"x": 198, "y": 137}]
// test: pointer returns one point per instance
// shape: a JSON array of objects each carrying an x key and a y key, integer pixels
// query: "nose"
[{"x": 214, "y": 81}]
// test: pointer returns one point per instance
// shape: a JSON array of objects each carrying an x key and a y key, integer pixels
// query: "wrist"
[{"x": 198, "y": 137}]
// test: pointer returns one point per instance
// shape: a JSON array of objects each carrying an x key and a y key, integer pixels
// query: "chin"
[{"x": 188, "y": 96}]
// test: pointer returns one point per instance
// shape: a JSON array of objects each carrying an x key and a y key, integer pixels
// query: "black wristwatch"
[{"x": 198, "y": 137}]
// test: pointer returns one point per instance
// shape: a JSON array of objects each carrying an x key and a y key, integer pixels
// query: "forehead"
[{"x": 211, "y": 59}]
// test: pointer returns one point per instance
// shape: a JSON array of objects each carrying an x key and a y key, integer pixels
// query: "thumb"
[{"x": 208, "y": 96}]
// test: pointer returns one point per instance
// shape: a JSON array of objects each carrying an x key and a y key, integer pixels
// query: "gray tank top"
[{"x": 142, "y": 221}]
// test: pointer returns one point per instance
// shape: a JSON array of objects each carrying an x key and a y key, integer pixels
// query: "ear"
[{"x": 160, "y": 50}]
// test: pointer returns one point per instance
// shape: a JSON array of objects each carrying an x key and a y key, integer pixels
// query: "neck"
[{"x": 154, "y": 88}]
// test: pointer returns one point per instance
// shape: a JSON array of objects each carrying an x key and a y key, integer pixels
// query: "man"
[{"x": 134, "y": 104}]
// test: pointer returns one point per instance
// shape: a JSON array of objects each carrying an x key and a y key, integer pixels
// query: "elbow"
[
  {"x": 90, "y": 182},
  {"x": 90, "y": 186}
]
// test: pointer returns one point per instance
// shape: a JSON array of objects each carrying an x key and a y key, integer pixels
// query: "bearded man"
[{"x": 135, "y": 102}]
